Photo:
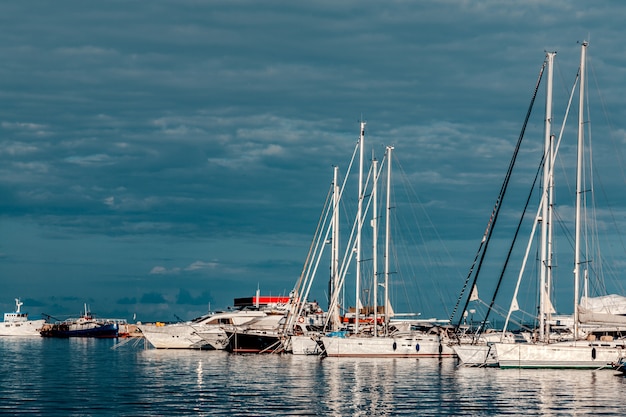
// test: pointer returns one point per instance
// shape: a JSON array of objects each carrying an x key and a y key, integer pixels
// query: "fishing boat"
[
  {"x": 583, "y": 350},
  {"x": 84, "y": 326},
  {"x": 16, "y": 323}
]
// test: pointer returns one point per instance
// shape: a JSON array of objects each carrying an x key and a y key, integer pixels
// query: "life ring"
[{"x": 300, "y": 319}]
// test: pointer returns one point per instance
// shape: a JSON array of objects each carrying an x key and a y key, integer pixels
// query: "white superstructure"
[{"x": 16, "y": 323}]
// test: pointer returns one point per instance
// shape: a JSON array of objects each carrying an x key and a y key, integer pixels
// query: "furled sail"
[{"x": 607, "y": 309}]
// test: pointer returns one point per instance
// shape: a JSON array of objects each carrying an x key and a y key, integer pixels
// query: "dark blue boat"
[{"x": 84, "y": 326}]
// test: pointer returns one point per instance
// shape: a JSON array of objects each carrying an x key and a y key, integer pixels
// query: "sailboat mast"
[
  {"x": 374, "y": 243},
  {"x": 334, "y": 263},
  {"x": 387, "y": 240},
  {"x": 358, "y": 233},
  {"x": 545, "y": 216},
  {"x": 550, "y": 252},
  {"x": 579, "y": 179}
]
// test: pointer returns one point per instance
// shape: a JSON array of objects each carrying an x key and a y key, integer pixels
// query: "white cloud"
[{"x": 197, "y": 265}]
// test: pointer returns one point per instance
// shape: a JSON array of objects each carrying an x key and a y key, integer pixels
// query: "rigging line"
[
  {"x": 519, "y": 226},
  {"x": 616, "y": 149},
  {"x": 318, "y": 229},
  {"x": 426, "y": 254},
  {"x": 502, "y": 314},
  {"x": 484, "y": 243},
  {"x": 506, "y": 181}
]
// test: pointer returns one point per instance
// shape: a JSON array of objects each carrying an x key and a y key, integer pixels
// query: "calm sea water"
[{"x": 86, "y": 377}]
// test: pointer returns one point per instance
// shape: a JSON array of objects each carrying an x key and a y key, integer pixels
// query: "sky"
[{"x": 161, "y": 158}]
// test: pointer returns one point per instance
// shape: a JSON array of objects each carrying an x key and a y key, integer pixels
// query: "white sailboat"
[
  {"x": 474, "y": 344},
  {"x": 578, "y": 352},
  {"x": 373, "y": 335},
  {"x": 306, "y": 321},
  {"x": 16, "y": 323}
]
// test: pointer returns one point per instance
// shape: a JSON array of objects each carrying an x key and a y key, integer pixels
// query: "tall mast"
[
  {"x": 374, "y": 242},
  {"x": 387, "y": 240},
  {"x": 550, "y": 234},
  {"x": 545, "y": 216},
  {"x": 579, "y": 179},
  {"x": 358, "y": 233},
  {"x": 334, "y": 262}
]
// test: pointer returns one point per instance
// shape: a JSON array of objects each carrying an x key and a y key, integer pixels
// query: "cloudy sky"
[{"x": 162, "y": 157}]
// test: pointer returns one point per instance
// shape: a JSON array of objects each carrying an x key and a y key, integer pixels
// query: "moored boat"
[
  {"x": 208, "y": 331},
  {"x": 261, "y": 335},
  {"x": 620, "y": 365},
  {"x": 84, "y": 326},
  {"x": 418, "y": 343},
  {"x": 16, "y": 323}
]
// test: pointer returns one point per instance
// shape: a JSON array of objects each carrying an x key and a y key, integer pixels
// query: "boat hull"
[
  {"x": 108, "y": 330},
  {"x": 21, "y": 328},
  {"x": 305, "y": 345},
  {"x": 580, "y": 355},
  {"x": 391, "y": 347},
  {"x": 174, "y": 336},
  {"x": 476, "y": 355},
  {"x": 254, "y": 342}
]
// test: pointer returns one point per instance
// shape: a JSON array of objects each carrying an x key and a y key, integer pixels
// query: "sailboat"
[
  {"x": 306, "y": 321},
  {"x": 473, "y": 343},
  {"x": 370, "y": 331},
  {"x": 579, "y": 352}
]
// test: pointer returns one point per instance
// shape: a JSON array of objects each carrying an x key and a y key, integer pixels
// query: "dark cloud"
[
  {"x": 191, "y": 140},
  {"x": 127, "y": 301},
  {"x": 153, "y": 298},
  {"x": 185, "y": 297}
]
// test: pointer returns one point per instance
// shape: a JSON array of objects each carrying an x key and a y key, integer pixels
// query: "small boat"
[
  {"x": 84, "y": 326},
  {"x": 16, "y": 323},
  {"x": 620, "y": 365}
]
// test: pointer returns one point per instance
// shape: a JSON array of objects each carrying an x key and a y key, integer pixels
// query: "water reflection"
[
  {"x": 545, "y": 392},
  {"x": 86, "y": 377}
]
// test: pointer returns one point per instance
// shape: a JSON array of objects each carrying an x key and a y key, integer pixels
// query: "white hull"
[
  {"x": 405, "y": 346},
  {"x": 305, "y": 345},
  {"x": 213, "y": 335},
  {"x": 581, "y": 354},
  {"x": 206, "y": 334},
  {"x": 480, "y": 351},
  {"x": 476, "y": 355},
  {"x": 21, "y": 328},
  {"x": 173, "y": 336}
]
